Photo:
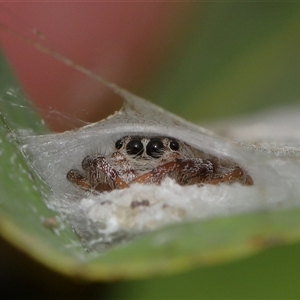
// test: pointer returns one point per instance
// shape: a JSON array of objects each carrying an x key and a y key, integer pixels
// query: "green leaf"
[
  {"x": 232, "y": 58},
  {"x": 23, "y": 209},
  {"x": 167, "y": 251}
]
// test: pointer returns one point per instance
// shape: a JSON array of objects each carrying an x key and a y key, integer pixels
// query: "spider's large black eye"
[
  {"x": 135, "y": 147},
  {"x": 119, "y": 144},
  {"x": 155, "y": 148},
  {"x": 174, "y": 145}
]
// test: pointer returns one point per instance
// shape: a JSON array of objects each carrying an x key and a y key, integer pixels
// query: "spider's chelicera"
[{"x": 139, "y": 159}]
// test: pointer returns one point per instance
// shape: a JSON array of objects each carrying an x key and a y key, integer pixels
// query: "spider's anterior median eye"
[
  {"x": 155, "y": 148},
  {"x": 119, "y": 144},
  {"x": 174, "y": 145},
  {"x": 135, "y": 147}
]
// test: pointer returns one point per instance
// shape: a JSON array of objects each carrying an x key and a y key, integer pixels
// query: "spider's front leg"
[
  {"x": 100, "y": 175},
  {"x": 184, "y": 171},
  {"x": 237, "y": 174},
  {"x": 195, "y": 171},
  {"x": 75, "y": 177}
]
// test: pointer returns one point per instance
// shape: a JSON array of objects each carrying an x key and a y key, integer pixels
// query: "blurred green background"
[
  {"x": 232, "y": 58},
  {"x": 228, "y": 59}
]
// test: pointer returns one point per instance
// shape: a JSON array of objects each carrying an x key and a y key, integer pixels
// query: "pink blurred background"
[{"x": 126, "y": 43}]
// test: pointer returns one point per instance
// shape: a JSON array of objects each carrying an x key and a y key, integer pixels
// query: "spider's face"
[{"x": 148, "y": 148}]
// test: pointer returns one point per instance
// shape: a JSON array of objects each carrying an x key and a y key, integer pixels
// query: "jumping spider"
[{"x": 150, "y": 160}]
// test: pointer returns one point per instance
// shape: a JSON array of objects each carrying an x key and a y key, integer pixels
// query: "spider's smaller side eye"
[
  {"x": 174, "y": 145},
  {"x": 119, "y": 144}
]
